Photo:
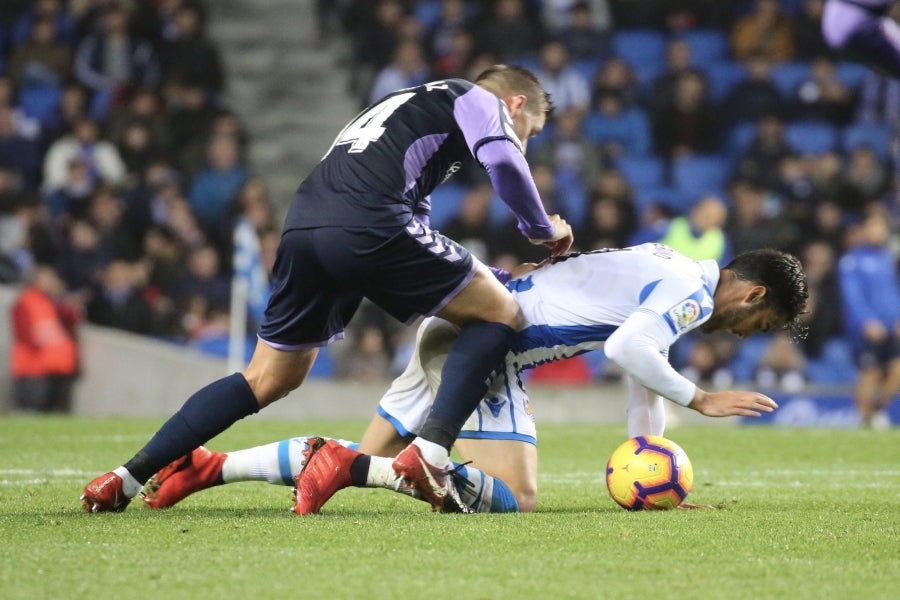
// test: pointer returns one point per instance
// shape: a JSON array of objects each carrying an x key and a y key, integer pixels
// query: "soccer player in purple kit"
[
  {"x": 864, "y": 30},
  {"x": 358, "y": 227}
]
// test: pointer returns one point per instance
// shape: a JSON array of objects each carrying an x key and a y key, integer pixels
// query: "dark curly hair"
[{"x": 783, "y": 277}]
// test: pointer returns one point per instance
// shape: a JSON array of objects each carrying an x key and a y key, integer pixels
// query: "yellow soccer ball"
[{"x": 649, "y": 473}]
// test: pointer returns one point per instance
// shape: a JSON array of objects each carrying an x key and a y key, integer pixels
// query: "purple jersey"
[{"x": 382, "y": 167}]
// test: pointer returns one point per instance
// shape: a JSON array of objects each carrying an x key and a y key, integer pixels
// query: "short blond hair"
[{"x": 513, "y": 79}]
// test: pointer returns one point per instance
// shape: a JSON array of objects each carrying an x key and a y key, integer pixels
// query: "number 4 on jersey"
[{"x": 367, "y": 127}]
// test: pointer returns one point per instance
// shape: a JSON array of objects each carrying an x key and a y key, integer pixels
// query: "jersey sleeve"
[
  {"x": 678, "y": 305},
  {"x": 488, "y": 130},
  {"x": 483, "y": 117},
  {"x": 669, "y": 308}
]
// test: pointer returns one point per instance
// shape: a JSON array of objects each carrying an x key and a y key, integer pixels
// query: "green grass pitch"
[{"x": 802, "y": 514}]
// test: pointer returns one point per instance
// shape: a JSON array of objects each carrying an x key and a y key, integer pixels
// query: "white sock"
[
  {"x": 381, "y": 473},
  {"x": 278, "y": 462},
  {"x": 434, "y": 454},
  {"x": 130, "y": 486}
]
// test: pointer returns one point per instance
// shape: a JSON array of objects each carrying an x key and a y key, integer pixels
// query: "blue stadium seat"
[
  {"x": 739, "y": 138},
  {"x": 588, "y": 68},
  {"x": 707, "y": 45},
  {"x": 677, "y": 200},
  {"x": 324, "y": 365},
  {"x": 697, "y": 175},
  {"x": 722, "y": 76},
  {"x": 643, "y": 49},
  {"x": 788, "y": 76},
  {"x": 750, "y": 351},
  {"x": 811, "y": 137},
  {"x": 41, "y": 102},
  {"x": 876, "y": 137},
  {"x": 642, "y": 171},
  {"x": 851, "y": 74},
  {"x": 445, "y": 202},
  {"x": 428, "y": 12},
  {"x": 834, "y": 366}
]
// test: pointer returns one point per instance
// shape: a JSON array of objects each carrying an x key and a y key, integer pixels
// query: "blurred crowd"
[
  {"x": 714, "y": 127},
  {"x": 122, "y": 172}
]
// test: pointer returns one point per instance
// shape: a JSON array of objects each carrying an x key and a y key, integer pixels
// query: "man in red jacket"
[{"x": 44, "y": 358}]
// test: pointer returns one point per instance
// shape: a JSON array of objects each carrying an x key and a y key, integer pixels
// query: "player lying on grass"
[{"x": 633, "y": 302}]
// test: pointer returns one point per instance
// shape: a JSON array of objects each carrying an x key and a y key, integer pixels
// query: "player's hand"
[
  {"x": 562, "y": 237},
  {"x": 732, "y": 403},
  {"x": 525, "y": 268}
]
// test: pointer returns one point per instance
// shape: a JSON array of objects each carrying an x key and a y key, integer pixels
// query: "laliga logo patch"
[{"x": 685, "y": 313}]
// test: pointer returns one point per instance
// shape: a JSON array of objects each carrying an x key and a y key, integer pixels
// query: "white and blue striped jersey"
[
  {"x": 574, "y": 304},
  {"x": 571, "y": 306}
]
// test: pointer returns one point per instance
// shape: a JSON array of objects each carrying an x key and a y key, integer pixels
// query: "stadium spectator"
[
  {"x": 866, "y": 175},
  {"x": 508, "y": 32},
  {"x": 759, "y": 163},
  {"x": 100, "y": 157},
  {"x": 213, "y": 190},
  {"x": 678, "y": 62},
  {"x": 144, "y": 109},
  {"x": 189, "y": 58},
  {"x": 407, "y": 68},
  {"x": 688, "y": 126},
  {"x": 756, "y": 96},
  {"x": 574, "y": 158},
  {"x": 441, "y": 37},
  {"x": 203, "y": 282},
  {"x": 455, "y": 60},
  {"x": 82, "y": 259},
  {"x": 616, "y": 128},
  {"x": 782, "y": 365},
  {"x": 618, "y": 77},
  {"x": 44, "y": 354},
  {"x": 375, "y": 37},
  {"x": 870, "y": 291},
  {"x": 767, "y": 31},
  {"x": 54, "y": 11},
  {"x": 43, "y": 60},
  {"x": 755, "y": 220},
  {"x": 565, "y": 84},
  {"x": 112, "y": 63},
  {"x": 18, "y": 152},
  {"x": 823, "y": 310},
  {"x": 471, "y": 224},
  {"x": 701, "y": 234},
  {"x": 117, "y": 299},
  {"x": 585, "y": 31},
  {"x": 822, "y": 96},
  {"x": 106, "y": 212},
  {"x": 810, "y": 43},
  {"x": 609, "y": 223}
]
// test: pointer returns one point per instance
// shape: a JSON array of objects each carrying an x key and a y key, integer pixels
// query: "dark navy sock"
[
  {"x": 205, "y": 415},
  {"x": 359, "y": 470},
  {"x": 471, "y": 365}
]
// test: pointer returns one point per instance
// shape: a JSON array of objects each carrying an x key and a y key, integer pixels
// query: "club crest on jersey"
[{"x": 685, "y": 313}]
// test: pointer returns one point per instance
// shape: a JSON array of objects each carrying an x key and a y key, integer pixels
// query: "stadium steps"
[{"x": 291, "y": 94}]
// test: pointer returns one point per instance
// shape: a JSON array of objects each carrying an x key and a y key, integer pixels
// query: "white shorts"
[{"x": 504, "y": 414}]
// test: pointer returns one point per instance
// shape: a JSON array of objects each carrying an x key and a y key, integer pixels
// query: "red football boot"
[{"x": 199, "y": 470}]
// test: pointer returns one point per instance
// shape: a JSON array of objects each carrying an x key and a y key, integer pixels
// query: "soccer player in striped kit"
[
  {"x": 633, "y": 302},
  {"x": 358, "y": 227}
]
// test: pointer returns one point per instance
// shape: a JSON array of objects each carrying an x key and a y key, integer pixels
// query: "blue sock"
[
  {"x": 484, "y": 493},
  {"x": 470, "y": 366},
  {"x": 205, "y": 415}
]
